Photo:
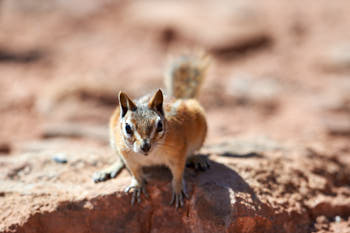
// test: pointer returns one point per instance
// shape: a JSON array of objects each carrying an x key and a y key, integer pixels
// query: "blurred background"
[
  {"x": 280, "y": 69},
  {"x": 280, "y": 75}
]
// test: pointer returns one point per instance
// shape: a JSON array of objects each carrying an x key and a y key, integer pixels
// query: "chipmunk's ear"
[
  {"x": 156, "y": 102},
  {"x": 125, "y": 104}
]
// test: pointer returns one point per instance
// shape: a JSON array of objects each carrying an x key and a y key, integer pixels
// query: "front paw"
[
  {"x": 136, "y": 190},
  {"x": 101, "y": 176},
  {"x": 178, "y": 198},
  {"x": 109, "y": 172}
]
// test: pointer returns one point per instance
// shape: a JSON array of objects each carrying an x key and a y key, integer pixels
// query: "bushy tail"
[{"x": 185, "y": 75}]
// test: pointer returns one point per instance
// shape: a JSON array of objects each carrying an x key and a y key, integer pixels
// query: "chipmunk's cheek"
[{"x": 129, "y": 142}]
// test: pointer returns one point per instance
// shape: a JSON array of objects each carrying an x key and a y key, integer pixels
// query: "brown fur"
[{"x": 184, "y": 129}]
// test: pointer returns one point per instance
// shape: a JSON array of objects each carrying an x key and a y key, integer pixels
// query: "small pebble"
[
  {"x": 60, "y": 158},
  {"x": 337, "y": 219},
  {"x": 5, "y": 148}
]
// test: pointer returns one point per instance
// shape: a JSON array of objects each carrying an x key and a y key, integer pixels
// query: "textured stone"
[{"x": 237, "y": 193}]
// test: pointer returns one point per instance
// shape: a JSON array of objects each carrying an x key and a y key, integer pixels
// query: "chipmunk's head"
[{"x": 142, "y": 124}]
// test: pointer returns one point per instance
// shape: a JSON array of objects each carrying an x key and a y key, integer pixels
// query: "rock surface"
[
  {"x": 254, "y": 188},
  {"x": 276, "y": 96}
]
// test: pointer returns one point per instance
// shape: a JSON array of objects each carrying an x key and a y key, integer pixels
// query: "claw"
[
  {"x": 144, "y": 191},
  {"x": 100, "y": 176},
  {"x": 113, "y": 174},
  {"x": 133, "y": 199},
  {"x": 178, "y": 199},
  {"x": 181, "y": 200},
  {"x": 196, "y": 166},
  {"x": 108, "y": 173},
  {"x": 136, "y": 193},
  {"x": 186, "y": 194},
  {"x": 172, "y": 199},
  {"x": 127, "y": 189}
]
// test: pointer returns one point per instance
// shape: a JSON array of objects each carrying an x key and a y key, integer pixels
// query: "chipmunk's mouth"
[{"x": 145, "y": 153}]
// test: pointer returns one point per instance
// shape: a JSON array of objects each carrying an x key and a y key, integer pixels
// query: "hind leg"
[{"x": 199, "y": 162}]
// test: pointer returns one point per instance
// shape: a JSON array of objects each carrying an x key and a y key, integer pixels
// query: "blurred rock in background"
[{"x": 277, "y": 97}]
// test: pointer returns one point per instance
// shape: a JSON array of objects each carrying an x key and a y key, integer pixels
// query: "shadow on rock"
[
  {"x": 242, "y": 155},
  {"x": 221, "y": 197},
  {"x": 220, "y": 201},
  {"x": 20, "y": 57}
]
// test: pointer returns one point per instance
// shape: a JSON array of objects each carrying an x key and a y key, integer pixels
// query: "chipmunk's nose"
[{"x": 146, "y": 146}]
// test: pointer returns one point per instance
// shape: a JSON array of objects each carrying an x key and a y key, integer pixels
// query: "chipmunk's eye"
[
  {"x": 159, "y": 126},
  {"x": 128, "y": 129}
]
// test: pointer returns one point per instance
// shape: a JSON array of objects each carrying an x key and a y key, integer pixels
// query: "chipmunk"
[{"x": 155, "y": 130}]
